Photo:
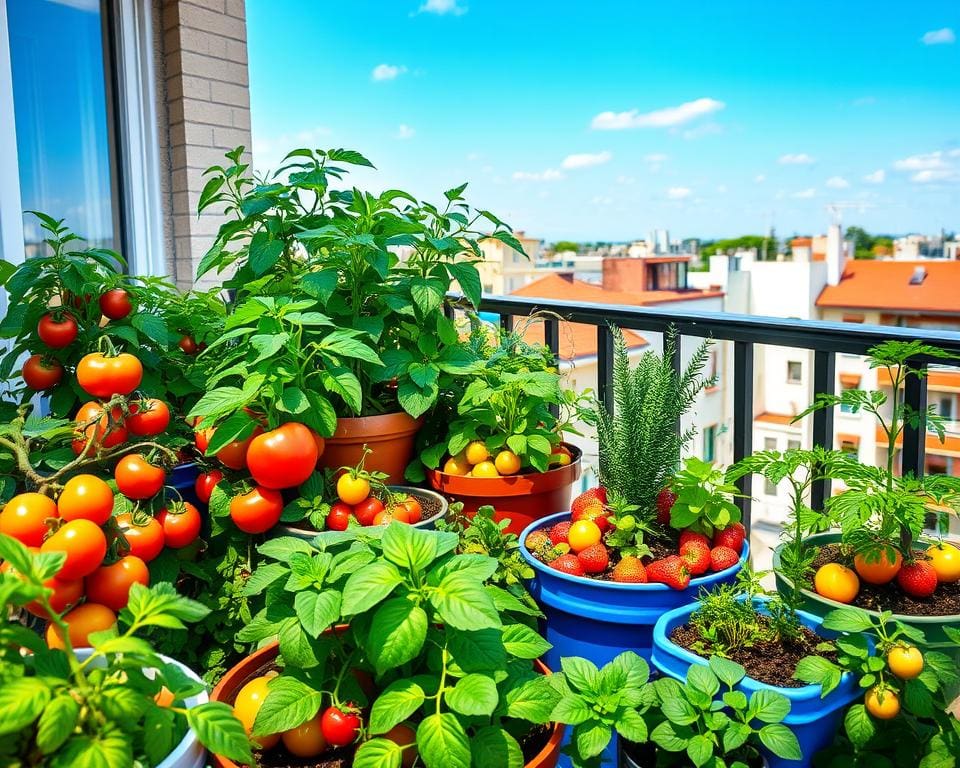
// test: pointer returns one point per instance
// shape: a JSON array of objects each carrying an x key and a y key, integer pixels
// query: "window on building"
[
  {"x": 794, "y": 372},
  {"x": 846, "y": 407},
  {"x": 793, "y": 445},
  {"x": 769, "y": 444},
  {"x": 937, "y": 465},
  {"x": 946, "y": 407},
  {"x": 709, "y": 442}
]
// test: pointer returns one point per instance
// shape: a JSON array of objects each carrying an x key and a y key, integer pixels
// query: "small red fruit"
[
  {"x": 568, "y": 564},
  {"x": 918, "y": 579},
  {"x": 340, "y": 728},
  {"x": 722, "y": 558},
  {"x": 689, "y": 535},
  {"x": 665, "y": 501},
  {"x": 671, "y": 571},
  {"x": 559, "y": 532},
  {"x": 696, "y": 555},
  {"x": 338, "y": 518},
  {"x": 630, "y": 570},
  {"x": 537, "y": 541},
  {"x": 594, "y": 559},
  {"x": 732, "y": 536}
]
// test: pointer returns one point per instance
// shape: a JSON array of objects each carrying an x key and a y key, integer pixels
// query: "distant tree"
[
  {"x": 566, "y": 245},
  {"x": 744, "y": 242},
  {"x": 882, "y": 246}
]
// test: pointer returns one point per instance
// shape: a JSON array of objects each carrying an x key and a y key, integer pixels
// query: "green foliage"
[
  {"x": 61, "y": 708},
  {"x": 703, "y": 498},
  {"x": 566, "y": 245},
  {"x": 640, "y": 447},
  {"x": 867, "y": 246},
  {"x": 744, "y": 242}
]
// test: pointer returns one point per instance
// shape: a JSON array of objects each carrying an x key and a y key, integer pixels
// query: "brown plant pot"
[
  {"x": 521, "y": 499},
  {"x": 254, "y": 664},
  {"x": 389, "y": 438}
]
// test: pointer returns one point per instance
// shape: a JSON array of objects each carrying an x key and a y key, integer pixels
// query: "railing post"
[
  {"x": 506, "y": 323},
  {"x": 824, "y": 376},
  {"x": 605, "y": 367},
  {"x": 551, "y": 336},
  {"x": 743, "y": 420},
  {"x": 913, "y": 457}
]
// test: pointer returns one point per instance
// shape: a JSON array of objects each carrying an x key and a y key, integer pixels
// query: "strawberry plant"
[
  {"x": 449, "y": 651},
  {"x": 703, "y": 498},
  {"x": 115, "y": 705}
]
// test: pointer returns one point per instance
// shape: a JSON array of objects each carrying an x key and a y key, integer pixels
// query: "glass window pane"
[{"x": 60, "y": 104}]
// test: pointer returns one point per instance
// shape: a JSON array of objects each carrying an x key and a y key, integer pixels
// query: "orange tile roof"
[
  {"x": 886, "y": 285},
  {"x": 577, "y": 340},
  {"x": 799, "y": 242},
  {"x": 775, "y": 418},
  {"x": 853, "y": 440},
  {"x": 850, "y": 379},
  {"x": 564, "y": 289}
]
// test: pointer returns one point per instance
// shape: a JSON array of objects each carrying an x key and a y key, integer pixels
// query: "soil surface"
[
  {"x": 889, "y": 597},
  {"x": 645, "y": 756},
  {"x": 769, "y": 662}
]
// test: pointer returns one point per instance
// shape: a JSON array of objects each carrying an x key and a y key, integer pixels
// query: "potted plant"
[
  {"x": 371, "y": 272},
  {"x": 607, "y": 570},
  {"x": 495, "y": 440},
  {"x": 391, "y": 645},
  {"x": 880, "y": 559},
  {"x": 99, "y": 694}
]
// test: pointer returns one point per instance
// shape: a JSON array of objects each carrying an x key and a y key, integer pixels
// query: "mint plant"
[
  {"x": 61, "y": 708},
  {"x": 704, "y": 498}
]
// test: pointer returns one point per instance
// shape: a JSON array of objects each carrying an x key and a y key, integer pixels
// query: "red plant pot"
[
  {"x": 521, "y": 499},
  {"x": 389, "y": 437}
]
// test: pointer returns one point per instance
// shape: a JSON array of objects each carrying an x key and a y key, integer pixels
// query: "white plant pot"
[{"x": 189, "y": 753}]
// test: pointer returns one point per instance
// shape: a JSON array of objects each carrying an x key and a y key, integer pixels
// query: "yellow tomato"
[
  {"x": 507, "y": 463},
  {"x": 248, "y": 702},
  {"x": 906, "y": 662},
  {"x": 477, "y": 452},
  {"x": 945, "y": 559},
  {"x": 484, "y": 469},
  {"x": 457, "y": 465},
  {"x": 882, "y": 703},
  {"x": 82, "y": 622},
  {"x": 583, "y": 534},
  {"x": 836, "y": 582},
  {"x": 352, "y": 490}
]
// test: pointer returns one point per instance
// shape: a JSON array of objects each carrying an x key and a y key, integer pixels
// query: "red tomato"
[
  {"x": 41, "y": 373},
  {"x": 188, "y": 345},
  {"x": 144, "y": 541},
  {"x": 205, "y": 484},
  {"x": 57, "y": 334},
  {"x": 110, "y": 585},
  {"x": 339, "y": 728},
  {"x": 65, "y": 594},
  {"x": 321, "y": 444},
  {"x": 181, "y": 525},
  {"x": 201, "y": 438},
  {"x": 24, "y": 518},
  {"x": 283, "y": 457},
  {"x": 92, "y": 422},
  {"x": 149, "y": 418},
  {"x": 338, "y": 519},
  {"x": 137, "y": 478},
  {"x": 116, "y": 304},
  {"x": 86, "y": 497},
  {"x": 256, "y": 511},
  {"x": 403, "y": 735},
  {"x": 413, "y": 508},
  {"x": 103, "y": 376},
  {"x": 85, "y": 547},
  {"x": 367, "y": 510}
]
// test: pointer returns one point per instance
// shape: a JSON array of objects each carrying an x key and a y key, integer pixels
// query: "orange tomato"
[
  {"x": 24, "y": 518},
  {"x": 456, "y": 465},
  {"x": 305, "y": 740},
  {"x": 906, "y": 662},
  {"x": 137, "y": 478},
  {"x": 583, "y": 534},
  {"x": 246, "y": 706},
  {"x": 145, "y": 541},
  {"x": 836, "y": 582},
  {"x": 882, "y": 703},
  {"x": 507, "y": 463},
  {"x": 86, "y": 497},
  {"x": 94, "y": 425},
  {"x": 103, "y": 376},
  {"x": 81, "y": 622},
  {"x": 476, "y": 452},
  {"x": 484, "y": 469},
  {"x": 110, "y": 585},
  {"x": 876, "y": 568},
  {"x": 85, "y": 547}
]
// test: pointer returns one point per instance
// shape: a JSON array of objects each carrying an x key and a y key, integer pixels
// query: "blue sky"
[{"x": 604, "y": 120}]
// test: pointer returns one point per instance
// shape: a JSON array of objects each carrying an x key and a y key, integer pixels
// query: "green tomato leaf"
[
  {"x": 317, "y": 611},
  {"x": 781, "y": 741},
  {"x": 378, "y": 753},
  {"x": 523, "y": 642},
  {"x": 367, "y": 587},
  {"x": 442, "y": 742},
  {"x": 22, "y": 700},
  {"x": 398, "y": 701},
  {"x": 859, "y": 725},
  {"x": 219, "y": 731},
  {"x": 474, "y": 694},
  {"x": 463, "y": 603},
  {"x": 289, "y": 703},
  {"x": 397, "y": 634},
  {"x": 494, "y": 747},
  {"x": 57, "y": 722}
]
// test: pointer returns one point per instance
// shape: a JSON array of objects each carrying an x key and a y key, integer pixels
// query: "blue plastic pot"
[
  {"x": 814, "y": 720},
  {"x": 599, "y": 619},
  {"x": 183, "y": 478}
]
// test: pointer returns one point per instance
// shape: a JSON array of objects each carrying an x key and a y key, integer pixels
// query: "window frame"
[{"x": 799, "y": 379}]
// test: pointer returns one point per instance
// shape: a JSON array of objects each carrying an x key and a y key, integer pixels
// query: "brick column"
[{"x": 208, "y": 111}]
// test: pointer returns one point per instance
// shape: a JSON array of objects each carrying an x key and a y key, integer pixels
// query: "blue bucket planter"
[
  {"x": 813, "y": 720},
  {"x": 183, "y": 478},
  {"x": 599, "y": 619}
]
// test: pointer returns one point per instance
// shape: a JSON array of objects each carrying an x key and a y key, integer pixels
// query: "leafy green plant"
[
  {"x": 59, "y": 707},
  {"x": 450, "y": 651},
  {"x": 704, "y": 498},
  {"x": 707, "y": 721}
]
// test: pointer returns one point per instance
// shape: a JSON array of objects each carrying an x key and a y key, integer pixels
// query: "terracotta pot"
[
  {"x": 389, "y": 437},
  {"x": 521, "y": 499},
  {"x": 250, "y": 667}
]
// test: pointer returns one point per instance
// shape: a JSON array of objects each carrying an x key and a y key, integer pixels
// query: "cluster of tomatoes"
[
  {"x": 358, "y": 503},
  {"x": 477, "y": 461},
  {"x": 276, "y": 459}
]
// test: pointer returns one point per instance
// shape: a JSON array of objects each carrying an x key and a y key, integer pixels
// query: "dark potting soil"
[
  {"x": 769, "y": 662},
  {"x": 889, "y": 597},
  {"x": 645, "y": 756}
]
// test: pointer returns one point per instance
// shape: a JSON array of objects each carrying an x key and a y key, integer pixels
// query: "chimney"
[{"x": 834, "y": 256}]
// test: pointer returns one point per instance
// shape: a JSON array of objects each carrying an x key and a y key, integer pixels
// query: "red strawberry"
[
  {"x": 665, "y": 501},
  {"x": 591, "y": 496},
  {"x": 568, "y": 564},
  {"x": 689, "y": 535},
  {"x": 671, "y": 571},
  {"x": 630, "y": 571},
  {"x": 590, "y": 505},
  {"x": 722, "y": 558},
  {"x": 537, "y": 541},
  {"x": 594, "y": 559},
  {"x": 732, "y": 536},
  {"x": 696, "y": 555},
  {"x": 918, "y": 579},
  {"x": 559, "y": 532}
]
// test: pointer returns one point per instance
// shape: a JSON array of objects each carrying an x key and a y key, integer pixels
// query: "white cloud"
[
  {"x": 939, "y": 174},
  {"x": 405, "y": 132},
  {"x": 837, "y": 182},
  {"x": 551, "y": 174},
  {"x": 443, "y": 7},
  {"x": 801, "y": 158},
  {"x": 660, "y": 118},
  {"x": 805, "y": 194},
  {"x": 943, "y": 36},
  {"x": 707, "y": 129},
  {"x": 383, "y": 72},
  {"x": 877, "y": 177},
  {"x": 926, "y": 161},
  {"x": 759, "y": 178},
  {"x": 928, "y": 167},
  {"x": 679, "y": 193},
  {"x": 586, "y": 160}
]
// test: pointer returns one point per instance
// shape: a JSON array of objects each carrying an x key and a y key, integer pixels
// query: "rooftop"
[
  {"x": 894, "y": 285},
  {"x": 564, "y": 288}
]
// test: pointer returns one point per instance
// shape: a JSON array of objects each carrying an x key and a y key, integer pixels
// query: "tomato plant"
[
  {"x": 115, "y": 304},
  {"x": 137, "y": 478},
  {"x": 40, "y": 372},
  {"x": 181, "y": 524},
  {"x": 57, "y": 329},
  {"x": 110, "y": 585}
]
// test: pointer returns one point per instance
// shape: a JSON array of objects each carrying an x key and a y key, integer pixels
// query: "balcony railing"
[{"x": 825, "y": 339}]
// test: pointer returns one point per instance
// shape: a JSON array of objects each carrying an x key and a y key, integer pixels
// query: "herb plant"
[
  {"x": 703, "y": 498},
  {"x": 59, "y": 707}
]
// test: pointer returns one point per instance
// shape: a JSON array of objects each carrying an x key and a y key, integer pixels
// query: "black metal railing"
[{"x": 825, "y": 339}]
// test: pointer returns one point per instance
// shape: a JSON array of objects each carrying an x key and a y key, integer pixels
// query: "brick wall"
[{"x": 207, "y": 104}]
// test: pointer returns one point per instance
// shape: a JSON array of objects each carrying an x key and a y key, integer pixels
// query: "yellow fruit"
[
  {"x": 507, "y": 463},
  {"x": 583, "y": 534},
  {"x": 477, "y": 452},
  {"x": 836, "y": 582},
  {"x": 456, "y": 465},
  {"x": 882, "y": 703},
  {"x": 249, "y": 700},
  {"x": 945, "y": 559},
  {"x": 484, "y": 469},
  {"x": 906, "y": 662}
]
